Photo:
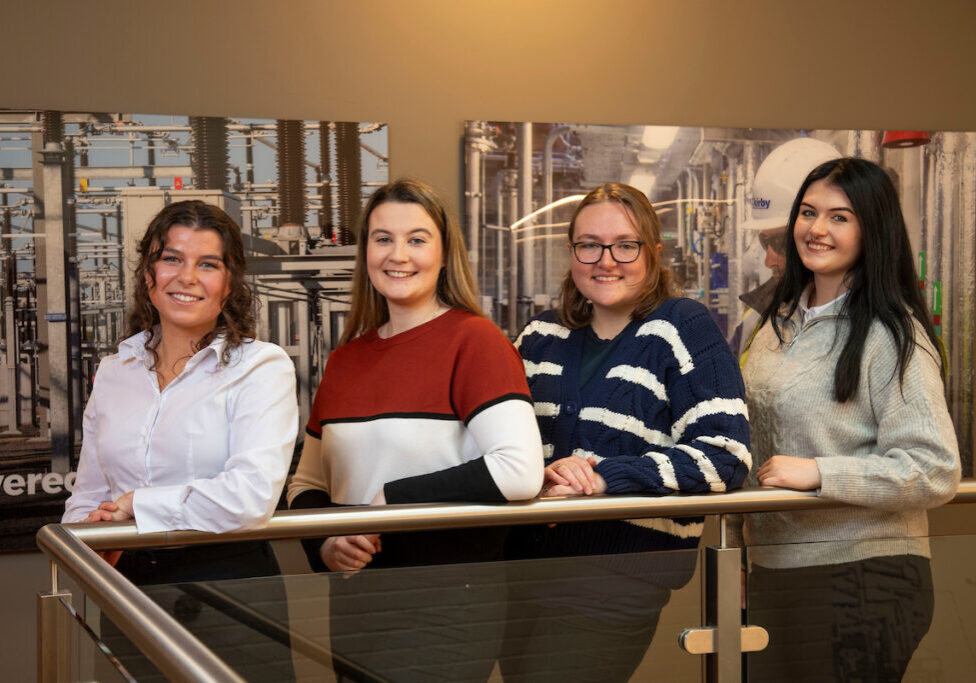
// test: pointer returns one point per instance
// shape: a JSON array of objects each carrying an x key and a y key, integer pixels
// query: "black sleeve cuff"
[
  {"x": 313, "y": 498},
  {"x": 470, "y": 482}
]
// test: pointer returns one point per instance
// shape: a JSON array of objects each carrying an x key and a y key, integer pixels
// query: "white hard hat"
[{"x": 779, "y": 179}]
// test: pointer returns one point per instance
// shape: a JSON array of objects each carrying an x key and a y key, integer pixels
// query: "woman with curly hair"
[{"x": 191, "y": 425}]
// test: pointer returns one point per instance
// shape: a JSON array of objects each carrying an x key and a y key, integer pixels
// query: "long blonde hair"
[
  {"x": 573, "y": 309},
  {"x": 456, "y": 287}
]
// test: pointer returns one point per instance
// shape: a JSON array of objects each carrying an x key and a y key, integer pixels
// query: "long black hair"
[{"x": 882, "y": 284}]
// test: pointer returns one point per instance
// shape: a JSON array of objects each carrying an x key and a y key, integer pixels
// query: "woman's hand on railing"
[
  {"x": 108, "y": 512},
  {"x": 349, "y": 553},
  {"x": 790, "y": 472},
  {"x": 118, "y": 511},
  {"x": 123, "y": 507},
  {"x": 99, "y": 515},
  {"x": 572, "y": 476}
]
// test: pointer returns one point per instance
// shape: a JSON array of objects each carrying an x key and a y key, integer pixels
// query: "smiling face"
[
  {"x": 828, "y": 238},
  {"x": 614, "y": 288},
  {"x": 404, "y": 255},
  {"x": 190, "y": 282}
]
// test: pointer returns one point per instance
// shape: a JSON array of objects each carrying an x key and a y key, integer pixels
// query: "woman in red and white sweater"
[{"x": 424, "y": 400}]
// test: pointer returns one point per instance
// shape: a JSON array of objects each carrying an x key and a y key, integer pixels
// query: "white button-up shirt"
[{"x": 209, "y": 452}]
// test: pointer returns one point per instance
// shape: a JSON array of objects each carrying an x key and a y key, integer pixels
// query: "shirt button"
[{"x": 569, "y": 408}]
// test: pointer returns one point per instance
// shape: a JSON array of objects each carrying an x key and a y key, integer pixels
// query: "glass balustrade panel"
[
  {"x": 874, "y": 609},
  {"x": 87, "y": 657},
  {"x": 592, "y": 618}
]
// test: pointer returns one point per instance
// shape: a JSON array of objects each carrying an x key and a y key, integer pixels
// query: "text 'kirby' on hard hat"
[{"x": 779, "y": 179}]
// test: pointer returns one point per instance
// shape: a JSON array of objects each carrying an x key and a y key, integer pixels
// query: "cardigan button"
[{"x": 569, "y": 408}]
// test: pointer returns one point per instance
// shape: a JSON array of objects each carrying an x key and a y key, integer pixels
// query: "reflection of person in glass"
[
  {"x": 845, "y": 391},
  {"x": 424, "y": 400},
  {"x": 635, "y": 391},
  {"x": 773, "y": 190},
  {"x": 192, "y": 424}
]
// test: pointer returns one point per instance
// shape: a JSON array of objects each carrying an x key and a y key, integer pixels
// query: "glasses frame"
[{"x": 603, "y": 247}]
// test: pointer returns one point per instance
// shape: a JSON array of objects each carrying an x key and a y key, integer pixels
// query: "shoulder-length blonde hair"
[
  {"x": 455, "y": 284},
  {"x": 236, "y": 320},
  {"x": 573, "y": 309}
]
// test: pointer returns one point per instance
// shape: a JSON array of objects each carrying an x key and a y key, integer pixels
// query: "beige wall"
[{"x": 425, "y": 66}]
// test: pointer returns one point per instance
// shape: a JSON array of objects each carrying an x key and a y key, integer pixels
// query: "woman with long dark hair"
[
  {"x": 192, "y": 424},
  {"x": 845, "y": 387}
]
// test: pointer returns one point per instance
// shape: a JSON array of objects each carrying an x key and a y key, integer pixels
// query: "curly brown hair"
[
  {"x": 236, "y": 320},
  {"x": 573, "y": 309},
  {"x": 456, "y": 287}
]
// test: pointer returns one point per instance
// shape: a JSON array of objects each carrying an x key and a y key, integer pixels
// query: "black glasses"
[
  {"x": 776, "y": 242},
  {"x": 625, "y": 251}
]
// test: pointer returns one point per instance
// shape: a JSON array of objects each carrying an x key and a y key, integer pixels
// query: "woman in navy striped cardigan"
[{"x": 636, "y": 392}]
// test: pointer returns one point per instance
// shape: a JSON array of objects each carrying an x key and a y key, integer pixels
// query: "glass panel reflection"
[
  {"x": 599, "y": 618},
  {"x": 243, "y": 621},
  {"x": 948, "y": 651},
  {"x": 90, "y": 658},
  {"x": 594, "y": 618},
  {"x": 889, "y": 617}
]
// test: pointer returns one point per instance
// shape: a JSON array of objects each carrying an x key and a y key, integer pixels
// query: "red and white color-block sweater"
[{"x": 438, "y": 413}]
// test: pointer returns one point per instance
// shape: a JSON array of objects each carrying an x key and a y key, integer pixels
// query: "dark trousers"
[
  {"x": 556, "y": 643},
  {"x": 203, "y": 587},
  {"x": 856, "y": 621},
  {"x": 587, "y": 618},
  {"x": 440, "y": 623}
]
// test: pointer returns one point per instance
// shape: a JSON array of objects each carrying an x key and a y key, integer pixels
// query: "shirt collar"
[
  {"x": 807, "y": 312},
  {"x": 135, "y": 347}
]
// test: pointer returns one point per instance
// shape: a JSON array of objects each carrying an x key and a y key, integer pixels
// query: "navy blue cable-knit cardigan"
[{"x": 665, "y": 413}]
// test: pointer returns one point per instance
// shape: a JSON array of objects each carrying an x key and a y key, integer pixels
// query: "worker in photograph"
[
  {"x": 845, "y": 385},
  {"x": 773, "y": 190}
]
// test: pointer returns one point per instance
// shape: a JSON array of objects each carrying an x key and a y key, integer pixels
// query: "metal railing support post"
[
  {"x": 53, "y": 637},
  {"x": 176, "y": 652},
  {"x": 723, "y": 613},
  {"x": 723, "y": 639}
]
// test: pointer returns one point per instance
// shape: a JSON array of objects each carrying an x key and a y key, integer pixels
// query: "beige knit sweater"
[{"x": 891, "y": 449}]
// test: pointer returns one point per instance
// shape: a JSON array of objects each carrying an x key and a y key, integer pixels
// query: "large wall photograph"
[
  {"x": 523, "y": 181},
  {"x": 77, "y": 190}
]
